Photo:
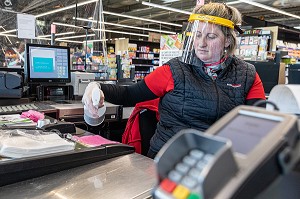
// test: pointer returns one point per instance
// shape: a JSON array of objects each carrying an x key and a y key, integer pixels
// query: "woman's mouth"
[{"x": 202, "y": 51}]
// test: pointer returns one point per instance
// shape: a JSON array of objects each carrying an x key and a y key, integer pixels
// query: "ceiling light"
[
  {"x": 125, "y": 33},
  {"x": 76, "y": 36},
  {"x": 166, "y": 8},
  {"x": 269, "y": 8},
  {"x": 142, "y": 19},
  {"x": 126, "y": 26},
  {"x": 297, "y": 27},
  {"x": 169, "y": 1},
  {"x": 66, "y": 8},
  {"x": 9, "y": 31},
  {"x": 58, "y": 34},
  {"x": 7, "y": 35},
  {"x": 71, "y": 41},
  {"x": 233, "y": 2},
  {"x": 97, "y": 40}
]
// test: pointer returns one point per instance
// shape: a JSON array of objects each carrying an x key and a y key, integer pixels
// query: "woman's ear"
[{"x": 227, "y": 42}]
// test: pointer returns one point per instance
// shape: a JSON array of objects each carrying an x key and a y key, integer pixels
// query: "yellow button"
[{"x": 181, "y": 192}]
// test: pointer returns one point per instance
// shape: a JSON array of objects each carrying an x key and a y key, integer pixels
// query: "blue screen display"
[{"x": 48, "y": 63}]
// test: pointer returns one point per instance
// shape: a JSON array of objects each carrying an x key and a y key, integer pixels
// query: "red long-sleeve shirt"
[{"x": 161, "y": 81}]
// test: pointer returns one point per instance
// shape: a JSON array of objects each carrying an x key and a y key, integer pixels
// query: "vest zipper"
[{"x": 218, "y": 100}]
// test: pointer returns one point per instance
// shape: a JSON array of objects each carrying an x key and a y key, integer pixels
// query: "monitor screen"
[
  {"x": 47, "y": 64},
  {"x": 246, "y": 132}
]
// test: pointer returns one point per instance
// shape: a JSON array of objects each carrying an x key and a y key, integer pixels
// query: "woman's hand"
[{"x": 93, "y": 98}]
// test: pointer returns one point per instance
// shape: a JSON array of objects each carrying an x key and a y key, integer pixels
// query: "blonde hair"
[{"x": 226, "y": 12}]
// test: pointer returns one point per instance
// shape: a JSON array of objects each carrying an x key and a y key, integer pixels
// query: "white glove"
[{"x": 91, "y": 97}]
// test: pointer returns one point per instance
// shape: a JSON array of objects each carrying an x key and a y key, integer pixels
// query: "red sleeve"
[
  {"x": 257, "y": 89},
  {"x": 160, "y": 81}
]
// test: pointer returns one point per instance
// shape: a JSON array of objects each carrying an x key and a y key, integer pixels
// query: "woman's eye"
[
  {"x": 198, "y": 35},
  {"x": 211, "y": 36}
]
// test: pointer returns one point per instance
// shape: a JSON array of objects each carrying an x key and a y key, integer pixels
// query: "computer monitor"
[{"x": 47, "y": 64}]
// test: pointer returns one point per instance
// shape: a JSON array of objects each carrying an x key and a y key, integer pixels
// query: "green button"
[{"x": 194, "y": 196}]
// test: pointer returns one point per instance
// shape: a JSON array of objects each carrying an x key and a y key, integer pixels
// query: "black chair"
[{"x": 147, "y": 124}]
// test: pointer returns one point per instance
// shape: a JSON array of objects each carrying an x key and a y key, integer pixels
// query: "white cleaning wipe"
[{"x": 21, "y": 146}]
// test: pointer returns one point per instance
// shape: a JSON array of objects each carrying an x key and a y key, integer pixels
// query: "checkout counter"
[{"x": 225, "y": 164}]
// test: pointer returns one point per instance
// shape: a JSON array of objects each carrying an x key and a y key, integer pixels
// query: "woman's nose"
[{"x": 202, "y": 42}]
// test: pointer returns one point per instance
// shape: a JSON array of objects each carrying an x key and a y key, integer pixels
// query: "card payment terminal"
[{"x": 237, "y": 157}]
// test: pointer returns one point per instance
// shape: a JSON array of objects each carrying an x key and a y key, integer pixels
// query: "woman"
[{"x": 197, "y": 89}]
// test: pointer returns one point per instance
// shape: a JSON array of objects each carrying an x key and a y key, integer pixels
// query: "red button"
[{"x": 167, "y": 185}]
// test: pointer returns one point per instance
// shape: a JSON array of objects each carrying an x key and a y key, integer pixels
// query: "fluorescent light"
[
  {"x": 96, "y": 40},
  {"x": 9, "y": 31},
  {"x": 297, "y": 27},
  {"x": 269, "y": 8},
  {"x": 166, "y": 8},
  {"x": 58, "y": 34},
  {"x": 169, "y": 1},
  {"x": 7, "y": 35},
  {"x": 71, "y": 41},
  {"x": 76, "y": 36},
  {"x": 142, "y": 19},
  {"x": 233, "y": 2},
  {"x": 125, "y": 33},
  {"x": 66, "y": 8},
  {"x": 126, "y": 26}
]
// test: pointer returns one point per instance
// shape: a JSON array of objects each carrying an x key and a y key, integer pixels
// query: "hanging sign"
[{"x": 26, "y": 26}]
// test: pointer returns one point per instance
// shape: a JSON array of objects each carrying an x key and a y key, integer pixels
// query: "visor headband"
[{"x": 212, "y": 19}]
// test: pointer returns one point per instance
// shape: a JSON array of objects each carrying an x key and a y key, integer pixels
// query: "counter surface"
[{"x": 129, "y": 176}]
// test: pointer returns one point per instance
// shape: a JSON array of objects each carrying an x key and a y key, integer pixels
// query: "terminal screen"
[
  {"x": 245, "y": 132},
  {"x": 48, "y": 63}
]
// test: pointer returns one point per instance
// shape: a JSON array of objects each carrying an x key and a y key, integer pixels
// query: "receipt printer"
[
  {"x": 10, "y": 85},
  {"x": 80, "y": 80}
]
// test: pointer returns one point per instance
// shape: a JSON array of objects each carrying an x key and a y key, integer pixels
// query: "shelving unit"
[{"x": 146, "y": 58}]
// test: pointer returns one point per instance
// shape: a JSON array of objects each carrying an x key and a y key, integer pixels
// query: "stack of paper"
[
  {"x": 22, "y": 146},
  {"x": 15, "y": 120}
]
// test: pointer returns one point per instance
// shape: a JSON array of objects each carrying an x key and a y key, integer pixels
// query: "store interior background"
[
  {"x": 139, "y": 37},
  {"x": 131, "y": 34}
]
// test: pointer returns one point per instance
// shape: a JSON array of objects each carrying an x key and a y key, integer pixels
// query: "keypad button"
[
  {"x": 182, "y": 168},
  {"x": 175, "y": 176},
  {"x": 189, "y": 160},
  {"x": 167, "y": 185},
  {"x": 194, "y": 196},
  {"x": 197, "y": 154},
  {"x": 200, "y": 165},
  {"x": 195, "y": 173},
  {"x": 207, "y": 158},
  {"x": 181, "y": 192},
  {"x": 189, "y": 182}
]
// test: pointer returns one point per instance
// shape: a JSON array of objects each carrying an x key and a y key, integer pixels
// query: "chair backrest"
[{"x": 147, "y": 123}]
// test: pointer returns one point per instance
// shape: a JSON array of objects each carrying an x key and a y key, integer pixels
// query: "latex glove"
[{"x": 87, "y": 99}]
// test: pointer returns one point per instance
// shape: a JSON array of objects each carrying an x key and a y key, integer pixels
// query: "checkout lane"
[{"x": 113, "y": 178}]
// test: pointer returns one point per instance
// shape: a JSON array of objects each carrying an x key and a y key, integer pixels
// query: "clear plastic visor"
[{"x": 204, "y": 41}]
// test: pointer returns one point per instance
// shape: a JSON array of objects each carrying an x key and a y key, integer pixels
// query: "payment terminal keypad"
[
  {"x": 183, "y": 180},
  {"x": 189, "y": 166}
]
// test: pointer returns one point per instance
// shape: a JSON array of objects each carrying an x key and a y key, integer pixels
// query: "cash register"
[
  {"x": 237, "y": 157},
  {"x": 47, "y": 68}
]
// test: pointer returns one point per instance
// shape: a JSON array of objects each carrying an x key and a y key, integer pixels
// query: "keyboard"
[{"x": 15, "y": 109}]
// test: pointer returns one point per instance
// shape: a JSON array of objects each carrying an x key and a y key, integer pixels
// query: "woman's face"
[{"x": 210, "y": 42}]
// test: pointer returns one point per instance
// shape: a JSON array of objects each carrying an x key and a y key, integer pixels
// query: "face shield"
[{"x": 205, "y": 39}]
